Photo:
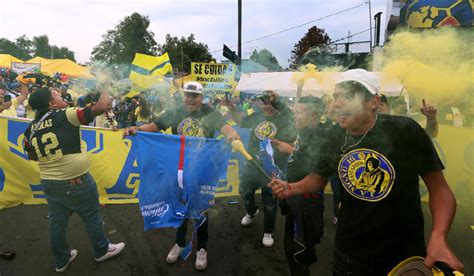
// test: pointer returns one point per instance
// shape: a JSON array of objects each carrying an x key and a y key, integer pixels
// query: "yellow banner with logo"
[
  {"x": 217, "y": 79},
  {"x": 113, "y": 166}
]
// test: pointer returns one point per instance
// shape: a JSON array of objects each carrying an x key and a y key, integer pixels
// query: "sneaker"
[
  {"x": 247, "y": 219},
  {"x": 201, "y": 259},
  {"x": 174, "y": 254},
  {"x": 73, "y": 256},
  {"x": 267, "y": 240},
  {"x": 114, "y": 250},
  {"x": 334, "y": 220}
]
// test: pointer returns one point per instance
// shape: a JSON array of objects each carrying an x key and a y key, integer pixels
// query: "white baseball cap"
[
  {"x": 193, "y": 87},
  {"x": 368, "y": 79}
]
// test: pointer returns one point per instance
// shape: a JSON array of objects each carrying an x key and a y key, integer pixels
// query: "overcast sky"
[{"x": 80, "y": 24}]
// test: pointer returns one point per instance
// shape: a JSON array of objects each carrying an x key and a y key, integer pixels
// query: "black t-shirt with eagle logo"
[
  {"x": 280, "y": 126},
  {"x": 201, "y": 123},
  {"x": 380, "y": 214}
]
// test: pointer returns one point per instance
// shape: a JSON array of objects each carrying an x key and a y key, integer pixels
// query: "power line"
[
  {"x": 303, "y": 24},
  {"x": 349, "y": 36},
  {"x": 294, "y": 27}
]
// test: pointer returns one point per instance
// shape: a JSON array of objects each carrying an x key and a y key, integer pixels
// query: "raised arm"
[
  {"x": 236, "y": 115},
  {"x": 101, "y": 105},
  {"x": 431, "y": 122}
]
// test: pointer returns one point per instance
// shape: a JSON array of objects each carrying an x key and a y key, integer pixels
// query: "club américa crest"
[
  {"x": 265, "y": 130},
  {"x": 366, "y": 174},
  {"x": 190, "y": 127}
]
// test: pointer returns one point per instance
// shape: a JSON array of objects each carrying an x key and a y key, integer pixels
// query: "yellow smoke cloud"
[{"x": 435, "y": 64}]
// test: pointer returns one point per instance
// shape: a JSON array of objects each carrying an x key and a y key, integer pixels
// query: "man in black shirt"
[
  {"x": 191, "y": 119},
  {"x": 274, "y": 121},
  {"x": 378, "y": 158},
  {"x": 304, "y": 213}
]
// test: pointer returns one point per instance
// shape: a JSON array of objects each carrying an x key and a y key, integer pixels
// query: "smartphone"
[{"x": 7, "y": 98}]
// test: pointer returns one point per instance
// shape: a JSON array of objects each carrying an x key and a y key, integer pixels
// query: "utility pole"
[
  {"x": 377, "y": 17},
  {"x": 348, "y": 41},
  {"x": 182, "y": 66},
  {"x": 370, "y": 24},
  {"x": 239, "y": 51}
]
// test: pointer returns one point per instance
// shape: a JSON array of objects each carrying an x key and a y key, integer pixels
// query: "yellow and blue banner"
[
  {"x": 114, "y": 166},
  {"x": 146, "y": 71}
]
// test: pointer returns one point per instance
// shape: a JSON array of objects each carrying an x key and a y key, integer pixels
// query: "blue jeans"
[
  {"x": 63, "y": 197},
  {"x": 250, "y": 182}
]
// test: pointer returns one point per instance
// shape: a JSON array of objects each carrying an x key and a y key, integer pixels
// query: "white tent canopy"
[{"x": 315, "y": 84}]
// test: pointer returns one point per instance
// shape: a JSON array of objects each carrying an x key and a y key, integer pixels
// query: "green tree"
[
  {"x": 315, "y": 39},
  {"x": 25, "y": 48},
  {"x": 8, "y": 47},
  {"x": 62, "y": 52},
  {"x": 41, "y": 46},
  {"x": 130, "y": 36},
  {"x": 182, "y": 51},
  {"x": 266, "y": 58}
]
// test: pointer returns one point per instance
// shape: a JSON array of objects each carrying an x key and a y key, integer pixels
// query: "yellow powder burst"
[{"x": 435, "y": 64}]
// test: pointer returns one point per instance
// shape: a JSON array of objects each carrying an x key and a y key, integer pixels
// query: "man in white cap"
[
  {"x": 191, "y": 119},
  {"x": 378, "y": 158}
]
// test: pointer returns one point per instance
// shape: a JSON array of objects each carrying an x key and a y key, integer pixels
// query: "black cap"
[{"x": 40, "y": 99}]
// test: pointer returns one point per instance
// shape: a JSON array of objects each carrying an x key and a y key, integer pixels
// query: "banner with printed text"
[
  {"x": 113, "y": 165},
  {"x": 217, "y": 79}
]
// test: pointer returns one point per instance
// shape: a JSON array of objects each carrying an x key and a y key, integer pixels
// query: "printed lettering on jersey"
[
  {"x": 366, "y": 174},
  {"x": 190, "y": 127},
  {"x": 265, "y": 130}
]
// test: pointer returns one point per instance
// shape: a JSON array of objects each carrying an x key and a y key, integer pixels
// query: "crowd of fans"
[{"x": 123, "y": 111}]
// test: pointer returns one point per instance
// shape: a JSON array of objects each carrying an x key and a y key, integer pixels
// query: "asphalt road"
[{"x": 232, "y": 249}]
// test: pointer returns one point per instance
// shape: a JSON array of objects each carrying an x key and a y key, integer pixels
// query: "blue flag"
[
  {"x": 265, "y": 156},
  {"x": 178, "y": 176}
]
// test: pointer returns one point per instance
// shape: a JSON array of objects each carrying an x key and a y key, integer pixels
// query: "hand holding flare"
[{"x": 239, "y": 146}]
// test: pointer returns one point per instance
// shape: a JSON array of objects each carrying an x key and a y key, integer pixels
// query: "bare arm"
[
  {"x": 230, "y": 133},
  {"x": 237, "y": 116},
  {"x": 431, "y": 122},
  {"x": 443, "y": 208},
  {"x": 24, "y": 93},
  {"x": 101, "y": 105},
  {"x": 151, "y": 127},
  {"x": 310, "y": 184}
]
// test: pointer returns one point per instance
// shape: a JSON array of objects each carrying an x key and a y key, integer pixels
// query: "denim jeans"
[
  {"x": 250, "y": 182},
  {"x": 64, "y": 198},
  {"x": 202, "y": 234}
]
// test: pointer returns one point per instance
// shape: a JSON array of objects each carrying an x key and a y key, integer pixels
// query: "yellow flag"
[{"x": 148, "y": 70}]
